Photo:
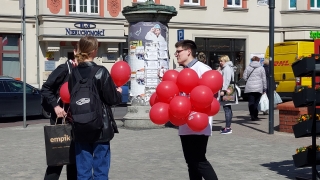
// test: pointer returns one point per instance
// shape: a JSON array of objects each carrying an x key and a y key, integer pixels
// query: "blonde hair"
[
  {"x": 255, "y": 58},
  {"x": 224, "y": 58},
  {"x": 266, "y": 61},
  {"x": 85, "y": 48}
]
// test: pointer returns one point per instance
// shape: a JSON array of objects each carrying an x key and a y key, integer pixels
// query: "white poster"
[{"x": 148, "y": 57}]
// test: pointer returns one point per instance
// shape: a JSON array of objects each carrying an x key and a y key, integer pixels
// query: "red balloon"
[
  {"x": 212, "y": 79},
  {"x": 177, "y": 121},
  {"x": 153, "y": 99},
  {"x": 120, "y": 73},
  {"x": 187, "y": 80},
  {"x": 201, "y": 96},
  {"x": 205, "y": 110},
  {"x": 64, "y": 93},
  {"x": 214, "y": 107},
  {"x": 170, "y": 75},
  {"x": 159, "y": 113},
  {"x": 166, "y": 90},
  {"x": 198, "y": 121},
  {"x": 180, "y": 106}
]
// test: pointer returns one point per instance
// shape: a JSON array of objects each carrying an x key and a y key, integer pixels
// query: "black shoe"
[{"x": 255, "y": 119}]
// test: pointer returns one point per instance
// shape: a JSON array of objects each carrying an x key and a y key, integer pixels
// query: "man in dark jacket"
[{"x": 50, "y": 92}]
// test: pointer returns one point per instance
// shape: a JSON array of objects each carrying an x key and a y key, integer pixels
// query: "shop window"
[
  {"x": 11, "y": 64},
  {"x": 10, "y": 42},
  {"x": 314, "y": 4},
  {"x": 213, "y": 48},
  {"x": 10, "y": 55},
  {"x": 84, "y": 7},
  {"x": 292, "y": 4}
]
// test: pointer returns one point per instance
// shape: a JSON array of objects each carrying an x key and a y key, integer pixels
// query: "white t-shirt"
[{"x": 200, "y": 68}]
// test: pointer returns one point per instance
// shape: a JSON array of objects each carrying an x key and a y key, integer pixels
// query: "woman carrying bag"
[
  {"x": 256, "y": 85},
  {"x": 227, "y": 71}
]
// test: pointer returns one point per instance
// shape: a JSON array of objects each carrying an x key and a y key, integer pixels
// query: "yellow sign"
[{"x": 50, "y": 55}]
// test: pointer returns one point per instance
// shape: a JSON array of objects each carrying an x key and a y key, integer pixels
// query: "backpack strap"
[{"x": 77, "y": 74}]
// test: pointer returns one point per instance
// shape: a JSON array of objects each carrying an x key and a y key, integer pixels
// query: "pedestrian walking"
[{"x": 256, "y": 85}]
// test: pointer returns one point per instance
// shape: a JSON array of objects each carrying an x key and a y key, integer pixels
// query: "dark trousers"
[
  {"x": 194, "y": 149},
  {"x": 228, "y": 115},
  {"x": 253, "y": 102},
  {"x": 53, "y": 172}
]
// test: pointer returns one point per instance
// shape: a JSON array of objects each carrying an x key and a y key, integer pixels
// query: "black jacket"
[
  {"x": 50, "y": 89},
  {"x": 108, "y": 95}
]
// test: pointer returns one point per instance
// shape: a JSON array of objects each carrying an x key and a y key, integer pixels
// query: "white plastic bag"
[
  {"x": 264, "y": 103},
  {"x": 277, "y": 98}
]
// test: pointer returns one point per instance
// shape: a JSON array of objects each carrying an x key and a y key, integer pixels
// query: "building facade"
[{"x": 238, "y": 28}]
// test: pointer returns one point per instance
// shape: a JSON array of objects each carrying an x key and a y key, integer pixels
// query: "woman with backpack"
[{"x": 92, "y": 92}]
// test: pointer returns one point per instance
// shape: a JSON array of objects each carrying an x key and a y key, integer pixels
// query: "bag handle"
[{"x": 63, "y": 120}]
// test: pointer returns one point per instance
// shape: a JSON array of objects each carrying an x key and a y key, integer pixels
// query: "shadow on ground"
[{"x": 286, "y": 168}]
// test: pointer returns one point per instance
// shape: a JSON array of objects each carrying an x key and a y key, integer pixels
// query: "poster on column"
[
  {"x": 259, "y": 55},
  {"x": 148, "y": 58}
]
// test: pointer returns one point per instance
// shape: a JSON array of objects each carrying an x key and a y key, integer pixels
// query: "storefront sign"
[
  {"x": 87, "y": 30},
  {"x": 315, "y": 34}
]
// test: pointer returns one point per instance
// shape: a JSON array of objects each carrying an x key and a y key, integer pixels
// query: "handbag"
[{"x": 59, "y": 145}]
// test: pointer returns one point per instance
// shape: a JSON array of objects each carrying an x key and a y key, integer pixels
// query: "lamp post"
[
  {"x": 148, "y": 56},
  {"x": 271, "y": 66}
]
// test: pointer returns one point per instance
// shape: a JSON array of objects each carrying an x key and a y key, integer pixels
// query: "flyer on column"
[{"x": 148, "y": 58}]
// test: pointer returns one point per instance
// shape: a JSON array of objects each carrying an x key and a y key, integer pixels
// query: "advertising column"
[{"x": 148, "y": 59}]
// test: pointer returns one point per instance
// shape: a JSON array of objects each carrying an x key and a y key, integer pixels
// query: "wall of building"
[{"x": 210, "y": 19}]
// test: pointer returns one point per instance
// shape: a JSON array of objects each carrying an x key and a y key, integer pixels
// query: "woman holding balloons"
[
  {"x": 194, "y": 143},
  {"x": 93, "y": 156}
]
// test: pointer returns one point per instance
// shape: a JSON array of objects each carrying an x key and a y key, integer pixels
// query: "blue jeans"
[
  {"x": 93, "y": 160},
  {"x": 228, "y": 115}
]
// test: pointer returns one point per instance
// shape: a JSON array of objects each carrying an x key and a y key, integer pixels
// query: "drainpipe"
[{"x": 37, "y": 42}]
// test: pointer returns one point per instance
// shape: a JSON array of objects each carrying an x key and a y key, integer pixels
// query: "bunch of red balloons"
[{"x": 184, "y": 98}]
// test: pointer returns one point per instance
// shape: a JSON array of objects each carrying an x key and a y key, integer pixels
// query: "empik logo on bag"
[
  {"x": 60, "y": 139},
  {"x": 83, "y": 101}
]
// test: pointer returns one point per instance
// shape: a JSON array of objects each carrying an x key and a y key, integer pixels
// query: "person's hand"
[
  {"x": 221, "y": 93},
  {"x": 59, "y": 112},
  {"x": 119, "y": 89}
]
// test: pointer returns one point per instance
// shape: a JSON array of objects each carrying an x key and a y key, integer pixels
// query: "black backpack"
[{"x": 86, "y": 105}]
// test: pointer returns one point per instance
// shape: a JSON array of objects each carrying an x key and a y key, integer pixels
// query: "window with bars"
[
  {"x": 234, "y": 3},
  {"x": 192, "y": 2},
  {"x": 84, "y": 6}
]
